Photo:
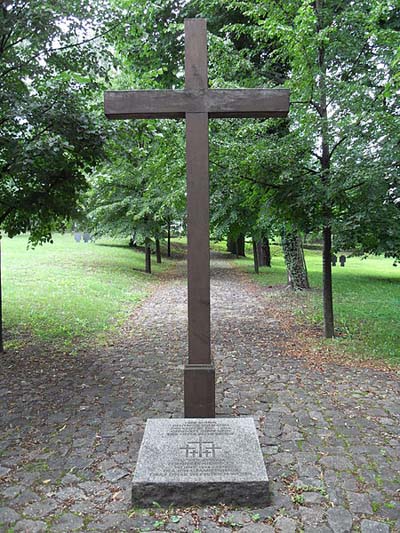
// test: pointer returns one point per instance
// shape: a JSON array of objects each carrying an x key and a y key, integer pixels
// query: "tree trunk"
[
  {"x": 267, "y": 252},
  {"x": 329, "y": 326},
  {"x": 1, "y": 305},
  {"x": 148, "y": 256},
  {"x": 240, "y": 245},
  {"x": 169, "y": 239},
  {"x": 255, "y": 255},
  {"x": 295, "y": 261},
  {"x": 236, "y": 246},
  {"x": 264, "y": 252},
  {"x": 325, "y": 161},
  {"x": 231, "y": 244},
  {"x": 158, "y": 250},
  {"x": 260, "y": 254}
]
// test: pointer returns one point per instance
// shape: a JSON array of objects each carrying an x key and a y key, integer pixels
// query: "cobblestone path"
[{"x": 71, "y": 428}]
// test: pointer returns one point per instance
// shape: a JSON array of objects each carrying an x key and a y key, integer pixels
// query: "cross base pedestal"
[{"x": 199, "y": 391}]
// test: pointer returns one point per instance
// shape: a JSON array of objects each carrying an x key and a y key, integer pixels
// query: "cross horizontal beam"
[{"x": 218, "y": 103}]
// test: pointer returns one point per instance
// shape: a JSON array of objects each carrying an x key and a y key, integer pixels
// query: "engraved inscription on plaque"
[
  {"x": 199, "y": 427},
  {"x": 191, "y": 450}
]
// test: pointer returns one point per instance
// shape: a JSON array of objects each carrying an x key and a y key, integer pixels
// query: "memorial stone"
[
  {"x": 342, "y": 260},
  {"x": 200, "y": 461}
]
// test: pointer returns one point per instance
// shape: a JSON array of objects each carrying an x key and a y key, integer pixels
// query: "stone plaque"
[{"x": 200, "y": 461}]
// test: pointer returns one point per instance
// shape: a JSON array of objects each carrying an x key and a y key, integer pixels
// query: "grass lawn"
[
  {"x": 366, "y": 300},
  {"x": 70, "y": 291}
]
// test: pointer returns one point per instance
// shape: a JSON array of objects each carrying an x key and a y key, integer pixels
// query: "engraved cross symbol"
[{"x": 200, "y": 448}]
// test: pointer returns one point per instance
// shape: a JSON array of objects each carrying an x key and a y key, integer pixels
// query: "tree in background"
[
  {"x": 140, "y": 187},
  {"x": 50, "y": 131},
  {"x": 342, "y": 60},
  {"x": 150, "y": 55},
  {"x": 250, "y": 154},
  {"x": 337, "y": 58},
  {"x": 52, "y": 61}
]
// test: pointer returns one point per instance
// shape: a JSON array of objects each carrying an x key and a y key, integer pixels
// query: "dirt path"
[{"x": 71, "y": 428}]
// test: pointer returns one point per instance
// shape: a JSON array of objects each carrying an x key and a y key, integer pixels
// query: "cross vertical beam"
[
  {"x": 199, "y": 376},
  {"x": 198, "y": 238}
]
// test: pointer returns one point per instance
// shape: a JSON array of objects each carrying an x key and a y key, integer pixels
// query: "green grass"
[
  {"x": 70, "y": 291},
  {"x": 366, "y": 300}
]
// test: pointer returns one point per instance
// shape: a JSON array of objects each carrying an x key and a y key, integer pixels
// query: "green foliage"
[
  {"x": 141, "y": 186},
  {"x": 52, "y": 60},
  {"x": 344, "y": 113}
]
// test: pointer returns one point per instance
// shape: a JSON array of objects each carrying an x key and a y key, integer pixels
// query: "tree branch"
[
  {"x": 319, "y": 157},
  {"x": 336, "y": 145},
  {"x": 4, "y": 215},
  {"x": 240, "y": 176},
  {"x": 263, "y": 183},
  {"x": 15, "y": 16},
  {"x": 346, "y": 75},
  {"x": 317, "y": 107},
  {"x": 59, "y": 49},
  {"x": 311, "y": 170},
  {"x": 354, "y": 186}
]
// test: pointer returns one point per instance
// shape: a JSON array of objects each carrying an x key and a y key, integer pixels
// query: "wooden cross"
[{"x": 197, "y": 103}]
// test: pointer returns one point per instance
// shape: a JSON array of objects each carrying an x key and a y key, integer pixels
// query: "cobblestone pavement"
[{"x": 71, "y": 427}]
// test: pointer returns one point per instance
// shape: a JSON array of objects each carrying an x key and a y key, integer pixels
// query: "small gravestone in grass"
[
  {"x": 342, "y": 260},
  {"x": 86, "y": 237},
  {"x": 334, "y": 260},
  {"x": 199, "y": 459},
  {"x": 77, "y": 236}
]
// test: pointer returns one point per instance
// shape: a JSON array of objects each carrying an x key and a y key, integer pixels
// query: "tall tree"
[
  {"x": 51, "y": 62},
  {"x": 342, "y": 59},
  {"x": 141, "y": 186},
  {"x": 49, "y": 67}
]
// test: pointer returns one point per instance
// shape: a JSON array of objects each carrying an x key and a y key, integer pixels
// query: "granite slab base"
[{"x": 200, "y": 461}]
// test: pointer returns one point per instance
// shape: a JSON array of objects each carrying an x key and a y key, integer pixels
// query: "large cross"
[{"x": 197, "y": 103}]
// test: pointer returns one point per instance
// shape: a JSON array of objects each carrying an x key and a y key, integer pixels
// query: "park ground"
[{"x": 95, "y": 347}]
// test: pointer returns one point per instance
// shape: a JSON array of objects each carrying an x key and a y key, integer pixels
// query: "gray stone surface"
[
  {"x": 359, "y": 503},
  {"x": 4, "y": 471},
  {"x": 257, "y": 528},
  {"x": 285, "y": 525},
  {"x": 340, "y": 520},
  {"x": 8, "y": 515},
  {"x": 371, "y": 526},
  {"x": 67, "y": 522},
  {"x": 200, "y": 461},
  {"x": 40, "y": 509},
  {"x": 317, "y": 529},
  {"x": 30, "y": 526}
]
